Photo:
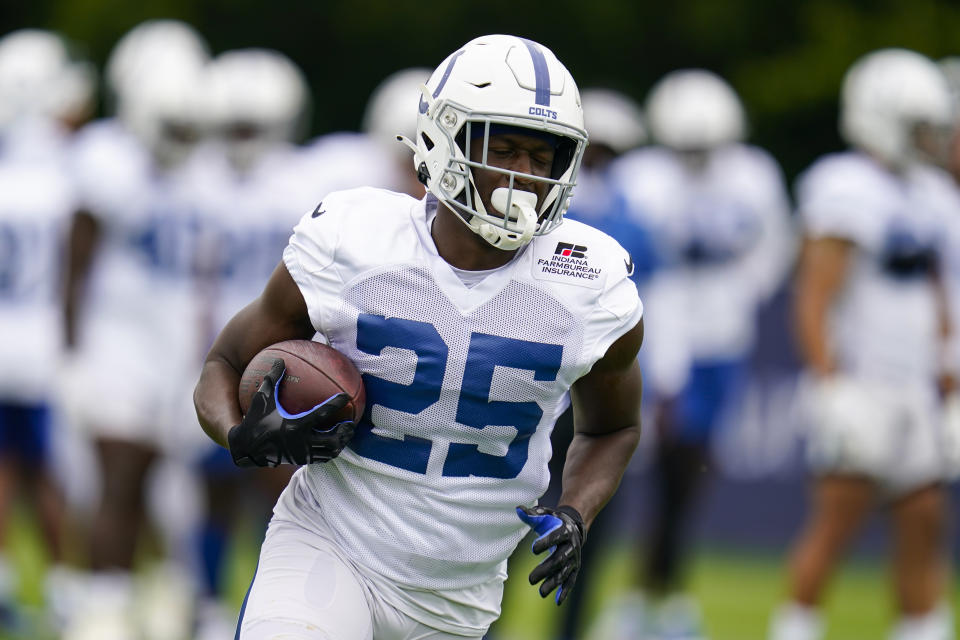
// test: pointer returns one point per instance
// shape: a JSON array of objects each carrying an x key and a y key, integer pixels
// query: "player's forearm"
[
  {"x": 216, "y": 401},
  {"x": 812, "y": 338},
  {"x": 595, "y": 464}
]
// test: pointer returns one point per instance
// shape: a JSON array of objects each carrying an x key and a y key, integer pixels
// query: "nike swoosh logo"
[{"x": 317, "y": 212}]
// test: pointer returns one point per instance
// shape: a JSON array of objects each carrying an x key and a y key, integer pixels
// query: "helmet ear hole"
[{"x": 427, "y": 141}]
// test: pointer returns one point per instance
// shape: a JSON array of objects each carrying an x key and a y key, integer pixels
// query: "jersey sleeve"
[
  {"x": 310, "y": 258},
  {"x": 832, "y": 201},
  {"x": 107, "y": 171}
]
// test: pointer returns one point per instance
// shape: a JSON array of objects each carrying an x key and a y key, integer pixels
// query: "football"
[{"x": 315, "y": 372}]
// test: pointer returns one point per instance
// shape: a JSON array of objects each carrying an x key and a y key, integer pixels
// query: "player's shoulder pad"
[
  {"x": 579, "y": 255},
  {"x": 752, "y": 159},
  {"x": 839, "y": 172}
]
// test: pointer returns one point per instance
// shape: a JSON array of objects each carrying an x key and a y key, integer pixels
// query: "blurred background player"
[
  {"x": 253, "y": 193},
  {"x": 872, "y": 324},
  {"x": 44, "y": 93},
  {"x": 718, "y": 213},
  {"x": 373, "y": 156},
  {"x": 131, "y": 303},
  {"x": 386, "y": 117}
]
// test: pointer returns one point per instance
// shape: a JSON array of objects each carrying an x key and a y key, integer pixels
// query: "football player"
[
  {"x": 474, "y": 317},
  {"x": 131, "y": 295},
  {"x": 718, "y": 212},
  {"x": 872, "y": 324},
  {"x": 43, "y": 94}
]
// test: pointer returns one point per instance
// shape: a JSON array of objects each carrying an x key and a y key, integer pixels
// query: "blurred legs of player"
[
  {"x": 114, "y": 534},
  {"x": 24, "y": 437},
  {"x": 839, "y": 507},
  {"x": 685, "y": 425},
  {"x": 873, "y": 443},
  {"x": 121, "y": 511}
]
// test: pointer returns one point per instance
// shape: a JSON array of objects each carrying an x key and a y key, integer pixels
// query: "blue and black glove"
[
  {"x": 268, "y": 436},
  {"x": 562, "y": 532}
]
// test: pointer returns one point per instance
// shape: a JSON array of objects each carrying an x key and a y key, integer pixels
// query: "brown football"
[{"x": 315, "y": 372}]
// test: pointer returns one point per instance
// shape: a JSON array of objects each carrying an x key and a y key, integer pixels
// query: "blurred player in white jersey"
[
  {"x": 43, "y": 93},
  {"x": 872, "y": 323},
  {"x": 718, "y": 211},
  {"x": 254, "y": 191},
  {"x": 472, "y": 315},
  {"x": 130, "y": 303}
]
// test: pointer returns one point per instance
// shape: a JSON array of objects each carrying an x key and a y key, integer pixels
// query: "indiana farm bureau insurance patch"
[{"x": 570, "y": 264}]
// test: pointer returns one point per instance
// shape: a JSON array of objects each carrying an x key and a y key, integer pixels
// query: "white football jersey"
[
  {"x": 885, "y": 324},
  {"x": 464, "y": 381},
  {"x": 725, "y": 241},
  {"x": 140, "y": 317},
  {"x": 37, "y": 199},
  {"x": 247, "y": 221}
]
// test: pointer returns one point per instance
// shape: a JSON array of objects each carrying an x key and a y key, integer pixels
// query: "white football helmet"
[
  {"x": 887, "y": 98},
  {"x": 613, "y": 119},
  {"x": 258, "y": 99},
  {"x": 493, "y": 82},
  {"x": 164, "y": 110},
  {"x": 170, "y": 42},
  {"x": 38, "y": 77},
  {"x": 695, "y": 110},
  {"x": 392, "y": 108}
]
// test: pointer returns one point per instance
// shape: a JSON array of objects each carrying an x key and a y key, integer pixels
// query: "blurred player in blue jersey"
[
  {"x": 43, "y": 93},
  {"x": 719, "y": 214},
  {"x": 873, "y": 326},
  {"x": 131, "y": 299},
  {"x": 472, "y": 315}
]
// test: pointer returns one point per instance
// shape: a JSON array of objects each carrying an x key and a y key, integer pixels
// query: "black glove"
[
  {"x": 269, "y": 436},
  {"x": 562, "y": 532}
]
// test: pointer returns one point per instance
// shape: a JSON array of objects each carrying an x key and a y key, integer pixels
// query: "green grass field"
[{"x": 736, "y": 589}]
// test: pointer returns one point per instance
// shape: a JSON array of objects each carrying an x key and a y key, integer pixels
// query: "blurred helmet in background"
[
  {"x": 39, "y": 78},
  {"x": 950, "y": 66},
  {"x": 151, "y": 43},
  {"x": 896, "y": 105},
  {"x": 613, "y": 119},
  {"x": 257, "y": 99},
  {"x": 496, "y": 84},
  {"x": 392, "y": 108},
  {"x": 695, "y": 110},
  {"x": 164, "y": 110}
]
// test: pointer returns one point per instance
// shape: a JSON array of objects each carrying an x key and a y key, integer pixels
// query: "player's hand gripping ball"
[{"x": 301, "y": 401}]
